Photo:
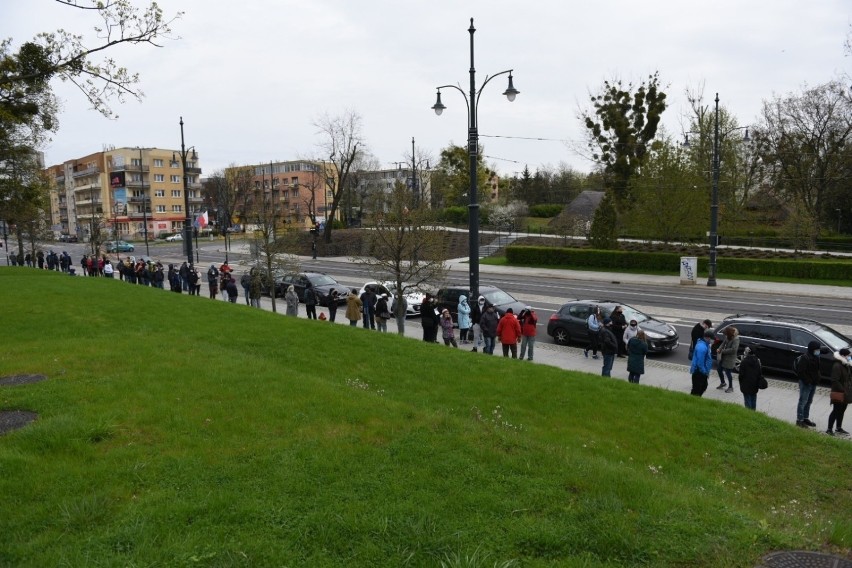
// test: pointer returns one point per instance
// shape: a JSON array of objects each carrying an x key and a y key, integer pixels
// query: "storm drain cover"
[
  {"x": 14, "y": 419},
  {"x": 13, "y": 380},
  {"x": 803, "y": 559}
]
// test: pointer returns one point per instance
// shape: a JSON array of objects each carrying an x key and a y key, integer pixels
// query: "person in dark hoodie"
[
  {"x": 841, "y": 382},
  {"x": 475, "y": 315},
  {"x": 749, "y": 377},
  {"x": 807, "y": 371}
]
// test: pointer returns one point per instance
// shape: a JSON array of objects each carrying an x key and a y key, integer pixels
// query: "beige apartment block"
[
  {"x": 296, "y": 189},
  {"x": 124, "y": 193}
]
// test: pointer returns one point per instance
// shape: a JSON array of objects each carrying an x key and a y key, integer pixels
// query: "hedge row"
[{"x": 665, "y": 261}]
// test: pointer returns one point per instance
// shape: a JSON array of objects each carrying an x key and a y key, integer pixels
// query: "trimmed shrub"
[{"x": 546, "y": 210}]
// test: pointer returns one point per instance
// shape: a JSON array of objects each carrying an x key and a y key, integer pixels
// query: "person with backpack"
[
  {"x": 213, "y": 280},
  {"x": 806, "y": 367},
  {"x": 593, "y": 325},
  {"x": 841, "y": 391}
]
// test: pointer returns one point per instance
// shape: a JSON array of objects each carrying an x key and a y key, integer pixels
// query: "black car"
[
  {"x": 449, "y": 298},
  {"x": 323, "y": 285},
  {"x": 568, "y": 324},
  {"x": 778, "y": 340},
  {"x": 67, "y": 238}
]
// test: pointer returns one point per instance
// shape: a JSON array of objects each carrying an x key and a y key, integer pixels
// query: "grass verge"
[{"x": 178, "y": 431}]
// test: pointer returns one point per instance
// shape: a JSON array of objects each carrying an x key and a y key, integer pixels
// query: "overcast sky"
[{"x": 251, "y": 78}]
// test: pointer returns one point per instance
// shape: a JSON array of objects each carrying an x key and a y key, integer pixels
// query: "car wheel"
[{"x": 560, "y": 336}]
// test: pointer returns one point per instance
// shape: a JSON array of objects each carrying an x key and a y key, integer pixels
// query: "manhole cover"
[
  {"x": 20, "y": 380},
  {"x": 802, "y": 559},
  {"x": 14, "y": 419}
]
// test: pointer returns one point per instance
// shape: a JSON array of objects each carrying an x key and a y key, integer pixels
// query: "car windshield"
[
  {"x": 498, "y": 297},
  {"x": 834, "y": 341},
  {"x": 629, "y": 313},
  {"x": 323, "y": 280}
]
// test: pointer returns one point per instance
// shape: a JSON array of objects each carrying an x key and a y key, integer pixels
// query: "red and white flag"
[{"x": 201, "y": 221}]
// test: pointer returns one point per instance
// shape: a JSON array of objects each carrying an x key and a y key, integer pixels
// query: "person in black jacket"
[
  {"x": 429, "y": 319},
  {"x": 475, "y": 315},
  {"x": 749, "y": 376},
  {"x": 619, "y": 322},
  {"x": 698, "y": 334},
  {"x": 609, "y": 347},
  {"x": 807, "y": 371}
]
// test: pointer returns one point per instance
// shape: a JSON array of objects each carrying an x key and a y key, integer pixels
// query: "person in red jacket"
[
  {"x": 509, "y": 333},
  {"x": 528, "y": 321}
]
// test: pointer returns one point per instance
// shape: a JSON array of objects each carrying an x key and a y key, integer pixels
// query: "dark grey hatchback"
[{"x": 568, "y": 324}]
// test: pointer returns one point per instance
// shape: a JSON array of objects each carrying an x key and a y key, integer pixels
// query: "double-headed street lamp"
[
  {"x": 187, "y": 224},
  {"x": 472, "y": 102},
  {"x": 714, "y": 197}
]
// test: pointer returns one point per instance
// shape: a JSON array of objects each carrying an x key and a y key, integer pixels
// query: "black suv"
[
  {"x": 778, "y": 340},
  {"x": 449, "y": 298}
]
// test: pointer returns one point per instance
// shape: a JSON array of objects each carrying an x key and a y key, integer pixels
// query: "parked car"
[
  {"x": 449, "y": 298},
  {"x": 412, "y": 296},
  {"x": 323, "y": 285},
  {"x": 265, "y": 281},
  {"x": 118, "y": 246},
  {"x": 778, "y": 340},
  {"x": 175, "y": 237},
  {"x": 67, "y": 238},
  {"x": 568, "y": 324}
]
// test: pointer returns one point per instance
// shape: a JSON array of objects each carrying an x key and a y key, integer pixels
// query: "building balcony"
[
  {"x": 87, "y": 187},
  {"x": 87, "y": 202},
  {"x": 198, "y": 199},
  {"x": 193, "y": 171},
  {"x": 86, "y": 172},
  {"x": 137, "y": 184},
  {"x": 128, "y": 168},
  {"x": 60, "y": 179},
  {"x": 138, "y": 199}
]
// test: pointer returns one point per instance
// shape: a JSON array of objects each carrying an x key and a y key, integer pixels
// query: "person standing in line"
[
  {"x": 698, "y": 334},
  {"x": 463, "y": 310},
  {"x": 245, "y": 282},
  {"x": 637, "y": 349},
  {"x": 749, "y": 378},
  {"x": 702, "y": 364},
  {"x": 193, "y": 281},
  {"x": 231, "y": 287},
  {"x": 630, "y": 332},
  {"x": 609, "y": 347},
  {"x": 841, "y": 383},
  {"x": 368, "y": 306},
  {"x": 807, "y": 371},
  {"x": 619, "y": 322},
  {"x": 174, "y": 279},
  {"x": 728, "y": 357},
  {"x": 255, "y": 287},
  {"x": 353, "y": 308},
  {"x": 183, "y": 272},
  {"x": 292, "y": 301},
  {"x": 40, "y": 259},
  {"x": 528, "y": 320},
  {"x": 382, "y": 313},
  {"x": 593, "y": 326},
  {"x": 224, "y": 276},
  {"x": 475, "y": 317},
  {"x": 447, "y": 329},
  {"x": 488, "y": 324},
  {"x": 332, "y": 305},
  {"x": 197, "y": 281},
  {"x": 311, "y": 301},
  {"x": 509, "y": 333},
  {"x": 213, "y": 280},
  {"x": 428, "y": 319},
  {"x": 108, "y": 270}
]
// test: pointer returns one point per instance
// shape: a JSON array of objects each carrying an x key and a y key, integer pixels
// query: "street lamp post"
[
  {"x": 187, "y": 223},
  {"x": 714, "y": 195},
  {"x": 144, "y": 202},
  {"x": 472, "y": 101}
]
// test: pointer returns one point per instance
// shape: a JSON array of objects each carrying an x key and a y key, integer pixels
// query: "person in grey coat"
[
  {"x": 488, "y": 325},
  {"x": 292, "y": 300},
  {"x": 728, "y": 357}
]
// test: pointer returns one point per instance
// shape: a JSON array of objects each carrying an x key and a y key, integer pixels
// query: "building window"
[
  {"x": 136, "y": 177},
  {"x": 175, "y": 193},
  {"x": 159, "y": 193},
  {"x": 174, "y": 164},
  {"x": 159, "y": 177},
  {"x": 136, "y": 162},
  {"x": 177, "y": 208},
  {"x": 175, "y": 179},
  {"x": 158, "y": 163},
  {"x": 161, "y": 208}
]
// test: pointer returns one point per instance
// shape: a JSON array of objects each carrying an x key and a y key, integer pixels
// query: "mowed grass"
[{"x": 178, "y": 431}]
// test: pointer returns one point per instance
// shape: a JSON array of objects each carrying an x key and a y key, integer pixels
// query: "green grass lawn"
[{"x": 179, "y": 431}]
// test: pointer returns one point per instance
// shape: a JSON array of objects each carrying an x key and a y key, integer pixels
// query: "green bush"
[
  {"x": 455, "y": 215},
  {"x": 546, "y": 210}
]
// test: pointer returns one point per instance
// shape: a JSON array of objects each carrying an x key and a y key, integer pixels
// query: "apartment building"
[
  {"x": 296, "y": 190},
  {"x": 124, "y": 193}
]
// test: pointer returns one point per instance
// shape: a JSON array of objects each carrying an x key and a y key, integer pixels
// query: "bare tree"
[
  {"x": 405, "y": 246},
  {"x": 342, "y": 141}
]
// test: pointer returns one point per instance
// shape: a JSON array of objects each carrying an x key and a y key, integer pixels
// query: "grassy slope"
[{"x": 181, "y": 431}]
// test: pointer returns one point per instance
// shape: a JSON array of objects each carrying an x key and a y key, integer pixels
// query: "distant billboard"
[{"x": 116, "y": 180}]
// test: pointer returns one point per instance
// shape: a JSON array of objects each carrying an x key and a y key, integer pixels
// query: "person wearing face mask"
[
  {"x": 630, "y": 332},
  {"x": 841, "y": 382},
  {"x": 807, "y": 371}
]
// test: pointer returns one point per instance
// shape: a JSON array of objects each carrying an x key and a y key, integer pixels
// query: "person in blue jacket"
[{"x": 702, "y": 363}]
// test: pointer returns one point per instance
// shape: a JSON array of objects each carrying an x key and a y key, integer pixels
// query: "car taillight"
[{"x": 554, "y": 317}]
